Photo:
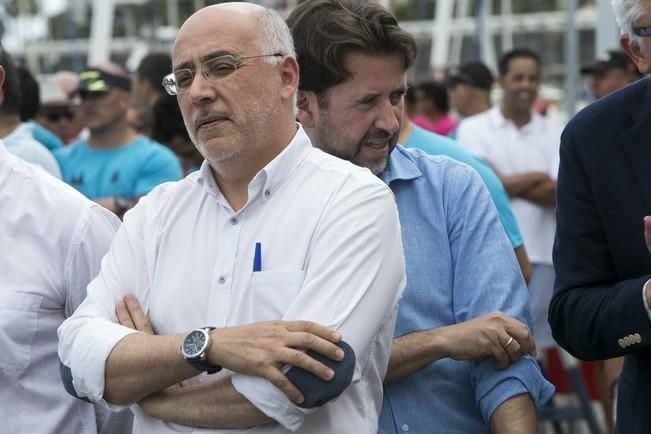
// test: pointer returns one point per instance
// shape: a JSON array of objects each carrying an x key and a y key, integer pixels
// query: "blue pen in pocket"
[{"x": 257, "y": 258}]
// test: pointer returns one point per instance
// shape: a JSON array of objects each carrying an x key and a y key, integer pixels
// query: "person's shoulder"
[
  {"x": 74, "y": 149},
  {"x": 51, "y": 198},
  {"x": 338, "y": 170},
  {"x": 171, "y": 192},
  {"x": 604, "y": 112},
  {"x": 437, "y": 167},
  {"x": 478, "y": 120}
]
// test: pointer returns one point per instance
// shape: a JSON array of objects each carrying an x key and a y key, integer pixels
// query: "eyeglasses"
[
  {"x": 642, "y": 31},
  {"x": 55, "y": 116},
  {"x": 213, "y": 70}
]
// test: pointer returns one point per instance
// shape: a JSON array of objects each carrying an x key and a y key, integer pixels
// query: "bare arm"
[
  {"x": 208, "y": 405},
  {"x": 516, "y": 415},
  {"x": 543, "y": 194},
  {"x": 485, "y": 336},
  {"x": 523, "y": 261},
  {"x": 519, "y": 185},
  {"x": 142, "y": 364}
]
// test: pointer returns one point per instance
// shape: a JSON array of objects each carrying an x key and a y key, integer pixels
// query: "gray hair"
[
  {"x": 274, "y": 36},
  {"x": 626, "y": 13}
]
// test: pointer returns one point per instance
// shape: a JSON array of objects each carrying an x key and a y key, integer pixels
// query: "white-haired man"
[
  {"x": 600, "y": 307},
  {"x": 270, "y": 228}
]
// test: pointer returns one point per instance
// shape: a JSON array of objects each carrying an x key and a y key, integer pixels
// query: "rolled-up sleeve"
[
  {"x": 487, "y": 279},
  {"x": 355, "y": 275},
  {"x": 88, "y": 336}
]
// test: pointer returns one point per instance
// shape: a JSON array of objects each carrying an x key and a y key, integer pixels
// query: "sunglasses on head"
[{"x": 55, "y": 116}]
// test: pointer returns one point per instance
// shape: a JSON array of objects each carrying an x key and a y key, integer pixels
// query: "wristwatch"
[{"x": 195, "y": 348}]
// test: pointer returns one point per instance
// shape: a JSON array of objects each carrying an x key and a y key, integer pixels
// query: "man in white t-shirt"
[{"x": 522, "y": 147}]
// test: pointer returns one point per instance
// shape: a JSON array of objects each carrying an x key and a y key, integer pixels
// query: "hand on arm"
[
  {"x": 516, "y": 415},
  {"x": 259, "y": 349},
  {"x": 491, "y": 335}
]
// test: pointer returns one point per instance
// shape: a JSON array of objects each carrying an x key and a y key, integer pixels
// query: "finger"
[
  {"x": 137, "y": 315},
  {"x": 522, "y": 335},
  {"x": 301, "y": 360},
  {"x": 123, "y": 315},
  {"x": 308, "y": 341},
  {"x": 278, "y": 379},
  {"x": 513, "y": 350},
  {"x": 500, "y": 355},
  {"x": 314, "y": 328}
]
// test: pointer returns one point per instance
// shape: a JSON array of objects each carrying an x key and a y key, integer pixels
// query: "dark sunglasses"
[{"x": 55, "y": 116}]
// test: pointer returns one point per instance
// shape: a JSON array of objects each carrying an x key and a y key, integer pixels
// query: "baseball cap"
[
  {"x": 614, "y": 59},
  {"x": 474, "y": 74},
  {"x": 97, "y": 81}
]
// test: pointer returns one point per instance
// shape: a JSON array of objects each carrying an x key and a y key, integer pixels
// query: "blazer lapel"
[{"x": 636, "y": 143}]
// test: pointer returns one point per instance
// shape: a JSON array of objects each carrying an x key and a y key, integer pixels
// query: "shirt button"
[
  {"x": 222, "y": 279},
  {"x": 267, "y": 193},
  {"x": 233, "y": 221},
  {"x": 405, "y": 427}
]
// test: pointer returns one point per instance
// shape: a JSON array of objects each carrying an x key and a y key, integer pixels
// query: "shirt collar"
[
  {"x": 499, "y": 121},
  {"x": 401, "y": 166},
  {"x": 271, "y": 177}
]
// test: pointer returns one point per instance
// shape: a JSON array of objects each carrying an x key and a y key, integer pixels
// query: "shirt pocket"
[
  {"x": 273, "y": 292},
  {"x": 18, "y": 323}
]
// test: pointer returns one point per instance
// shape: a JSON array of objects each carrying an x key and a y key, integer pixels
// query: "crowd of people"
[{"x": 271, "y": 231}]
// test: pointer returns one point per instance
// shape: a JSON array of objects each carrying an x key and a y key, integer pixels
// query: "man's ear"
[
  {"x": 289, "y": 76},
  {"x": 308, "y": 108},
  {"x": 632, "y": 48}
]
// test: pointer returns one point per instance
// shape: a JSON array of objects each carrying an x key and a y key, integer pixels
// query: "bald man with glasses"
[{"x": 237, "y": 265}]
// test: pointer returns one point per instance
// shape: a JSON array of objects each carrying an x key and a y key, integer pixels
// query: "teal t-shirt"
[
  {"x": 435, "y": 144},
  {"x": 129, "y": 171}
]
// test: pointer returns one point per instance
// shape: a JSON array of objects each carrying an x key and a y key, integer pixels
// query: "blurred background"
[{"x": 52, "y": 35}]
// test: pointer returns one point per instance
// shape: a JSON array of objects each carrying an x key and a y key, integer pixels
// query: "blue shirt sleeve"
[
  {"x": 487, "y": 279},
  {"x": 161, "y": 166}
]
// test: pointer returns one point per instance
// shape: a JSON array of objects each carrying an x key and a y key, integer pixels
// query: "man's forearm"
[
  {"x": 142, "y": 364},
  {"x": 519, "y": 185},
  {"x": 516, "y": 415},
  {"x": 208, "y": 405},
  {"x": 412, "y": 352},
  {"x": 543, "y": 194}
]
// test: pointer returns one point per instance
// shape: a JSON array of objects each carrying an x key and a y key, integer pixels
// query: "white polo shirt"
[
  {"x": 511, "y": 151},
  {"x": 331, "y": 253},
  {"x": 52, "y": 240}
]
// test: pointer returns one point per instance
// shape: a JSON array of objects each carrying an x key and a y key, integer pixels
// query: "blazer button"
[
  {"x": 638, "y": 338},
  {"x": 621, "y": 343}
]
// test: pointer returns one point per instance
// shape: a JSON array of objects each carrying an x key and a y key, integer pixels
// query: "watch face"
[{"x": 194, "y": 343}]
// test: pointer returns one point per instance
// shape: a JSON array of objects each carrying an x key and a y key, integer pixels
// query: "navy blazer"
[{"x": 600, "y": 257}]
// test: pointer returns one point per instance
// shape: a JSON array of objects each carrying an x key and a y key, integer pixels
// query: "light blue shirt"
[
  {"x": 435, "y": 144},
  {"x": 129, "y": 171},
  {"x": 45, "y": 136},
  {"x": 21, "y": 143},
  {"x": 460, "y": 265}
]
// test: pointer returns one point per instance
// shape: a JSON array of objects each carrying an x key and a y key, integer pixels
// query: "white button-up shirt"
[
  {"x": 331, "y": 253},
  {"x": 52, "y": 240},
  {"x": 511, "y": 151}
]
